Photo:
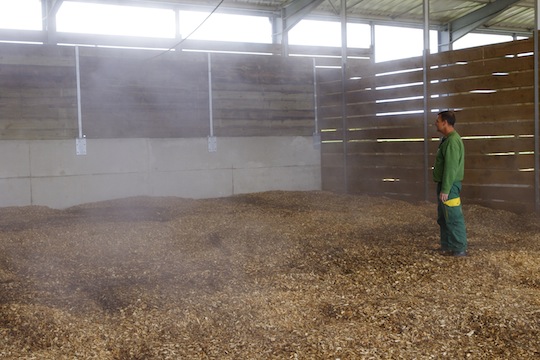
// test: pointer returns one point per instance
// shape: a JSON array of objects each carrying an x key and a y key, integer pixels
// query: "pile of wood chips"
[{"x": 276, "y": 275}]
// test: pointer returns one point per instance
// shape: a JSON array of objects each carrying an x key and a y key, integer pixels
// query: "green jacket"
[{"x": 449, "y": 162}]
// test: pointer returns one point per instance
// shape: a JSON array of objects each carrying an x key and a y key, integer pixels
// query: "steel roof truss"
[
  {"x": 464, "y": 25},
  {"x": 295, "y": 11}
]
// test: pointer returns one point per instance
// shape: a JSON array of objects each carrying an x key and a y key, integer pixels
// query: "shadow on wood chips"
[{"x": 275, "y": 275}]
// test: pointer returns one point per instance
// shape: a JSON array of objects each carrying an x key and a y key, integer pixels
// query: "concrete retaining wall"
[{"x": 49, "y": 173}]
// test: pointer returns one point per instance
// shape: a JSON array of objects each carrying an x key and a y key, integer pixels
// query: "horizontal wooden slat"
[
  {"x": 481, "y": 52},
  {"x": 410, "y": 191},
  {"x": 368, "y": 121},
  {"x": 526, "y": 206},
  {"x": 389, "y": 174},
  {"x": 495, "y": 82},
  {"x": 334, "y": 185},
  {"x": 328, "y": 77},
  {"x": 515, "y": 128},
  {"x": 388, "y": 160},
  {"x": 362, "y": 69},
  {"x": 42, "y": 56},
  {"x": 487, "y": 67},
  {"x": 386, "y": 147},
  {"x": 329, "y": 126},
  {"x": 499, "y": 162},
  {"x": 395, "y": 134},
  {"x": 495, "y": 114},
  {"x": 500, "y": 192},
  {"x": 375, "y": 109},
  {"x": 497, "y": 176},
  {"x": 333, "y": 148},
  {"x": 330, "y": 88},
  {"x": 492, "y": 146},
  {"x": 400, "y": 78},
  {"x": 263, "y": 101},
  {"x": 519, "y": 96},
  {"x": 362, "y": 96}
]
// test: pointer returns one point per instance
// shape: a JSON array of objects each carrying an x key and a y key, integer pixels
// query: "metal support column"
[
  {"x": 49, "y": 9},
  {"x": 80, "y": 142},
  {"x": 536, "y": 108},
  {"x": 212, "y": 140},
  {"x": 316, "y": 133},
  {"x": 284, "y": 36},
  {"x": 372, "y": 42},
  {"x": 344, "y": 122},
  {"x": 426, "y": 99}
]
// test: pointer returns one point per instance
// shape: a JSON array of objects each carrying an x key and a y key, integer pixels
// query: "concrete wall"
[{"x": 49, "y": 173}]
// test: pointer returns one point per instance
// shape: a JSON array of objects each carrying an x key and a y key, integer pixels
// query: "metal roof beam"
[
  {"x": 296, "y": 10},
  {"x": 464, "y": 25},
  {"x": 54, "y": 6},
  {"x": 148, "y": 3},
  {"x": 49, "y": 9}
]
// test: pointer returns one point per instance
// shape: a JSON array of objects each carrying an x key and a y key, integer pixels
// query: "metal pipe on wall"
[
  {"x": 80, "y": 142},
  {"x": 79, "y": 110},
  {"x": 210, "y": 107},
  {"x": 212, "y": 141},
  {"x": 426, "y": 99},
  {"x": 315, "y": 97},
  {"x": 316, "y": 134},
  {"x": 344, "y": 92}
]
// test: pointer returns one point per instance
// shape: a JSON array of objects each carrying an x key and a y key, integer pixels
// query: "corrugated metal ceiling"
[{"x": 519, "y": 17}]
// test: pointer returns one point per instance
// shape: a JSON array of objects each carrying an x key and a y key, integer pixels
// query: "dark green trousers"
[{"x": 451, "y": 221}]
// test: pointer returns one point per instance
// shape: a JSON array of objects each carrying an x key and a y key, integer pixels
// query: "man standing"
[{"x": 448, "y": 173}]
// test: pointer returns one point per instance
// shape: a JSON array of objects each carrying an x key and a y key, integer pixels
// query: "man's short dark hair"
[{"x": 449, "y": 116}]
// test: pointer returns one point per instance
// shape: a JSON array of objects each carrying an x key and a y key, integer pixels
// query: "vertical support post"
[
  {"x": 316, "y": 134},
  {"x": 45, "y": 16},
  {"x": 372, "y": 42},
  {"x": 284, "y": 36},
  {"x": 49, "y": 9},
  {"x": 177, "y": 33},
  {"x": 78, "y": 77},
  {"x": 79, "y": 110},
  {"x": 344, "y": 93},
  {"x": 210, "y": 95},
  {"x": 212, "y": 141},
  {"x": 277, "y": 34},
  {"x": 80, "y": 142},
  {"x": 536, "y": 108},
  {"x": 426, "y": 99}
]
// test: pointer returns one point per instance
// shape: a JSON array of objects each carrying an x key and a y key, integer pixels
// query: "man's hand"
[{"x": 443, "y": 197}]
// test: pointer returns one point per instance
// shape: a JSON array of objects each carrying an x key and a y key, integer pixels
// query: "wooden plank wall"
[
  {"x": 491, "y": 89},
  {"x": 134, "y": 94},
  {"x": 38, "y": 98},
  {"x": 262, "y": 95},
  {"x": 128, "y": 93},
  {"x": 384, "y": 146}
]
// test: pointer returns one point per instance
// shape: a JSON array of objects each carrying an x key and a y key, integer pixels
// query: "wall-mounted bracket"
[
  {"x": 316, "y": 140},
  {"x": 80, "y": 145},
  {"x": 212, "y": 144}
]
